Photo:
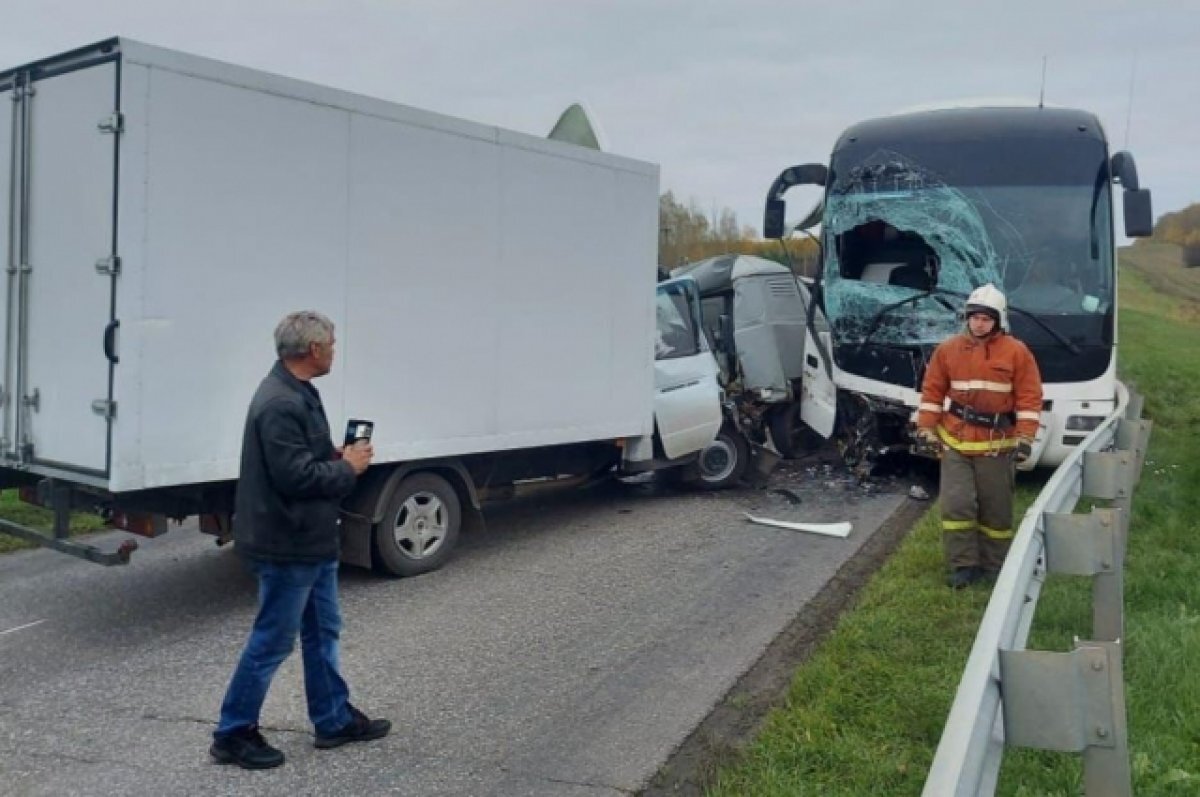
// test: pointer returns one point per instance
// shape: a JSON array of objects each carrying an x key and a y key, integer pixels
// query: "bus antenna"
[
  {"x": 1042, "y": 93},
  {"x": 1129, "y": 106}
]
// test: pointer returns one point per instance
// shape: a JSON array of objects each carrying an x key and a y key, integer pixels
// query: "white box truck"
[{"x": 494, "y": 295}]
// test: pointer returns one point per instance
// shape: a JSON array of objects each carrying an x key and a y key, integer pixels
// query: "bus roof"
[{"x": 976, "y": 124}]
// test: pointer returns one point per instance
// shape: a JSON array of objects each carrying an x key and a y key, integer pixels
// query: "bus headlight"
[{"x": 1083, "y": 423}]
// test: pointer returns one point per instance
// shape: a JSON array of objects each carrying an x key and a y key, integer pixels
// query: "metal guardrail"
[{"x": 1075, "y": 701}]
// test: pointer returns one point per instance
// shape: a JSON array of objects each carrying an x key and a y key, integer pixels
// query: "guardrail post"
[
  {"x": 1110, "y": 475},
  {"x": 1137, "y": 402},
  {"x": 1134, "y": 436},
  {"x": 1071, "y": 702},
  {"x": 1093, "y": 545}
]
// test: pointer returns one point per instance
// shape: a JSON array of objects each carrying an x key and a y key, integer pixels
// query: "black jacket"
[{"x": 290, "y": 485}]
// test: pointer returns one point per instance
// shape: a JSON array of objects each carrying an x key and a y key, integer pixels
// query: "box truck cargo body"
[{"x": 493, "y": 292}]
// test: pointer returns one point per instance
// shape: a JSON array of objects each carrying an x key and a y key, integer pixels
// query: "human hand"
[
  {"x": 927, "y": 435},
  {"x": 1024, "y": 450},
  {"x": 359, "y": 455}
]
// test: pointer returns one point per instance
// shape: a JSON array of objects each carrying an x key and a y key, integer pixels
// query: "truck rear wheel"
[{"x": 420, "y": 526}]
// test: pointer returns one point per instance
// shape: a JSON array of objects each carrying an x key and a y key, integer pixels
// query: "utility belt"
[{"x": 1000, "y": 421}]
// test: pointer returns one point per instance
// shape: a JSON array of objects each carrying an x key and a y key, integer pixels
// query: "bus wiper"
[
  {"x": 937, "y": 294},
  {"x": 934, "y": 292},
  {"x": 1054, "y": 333}
]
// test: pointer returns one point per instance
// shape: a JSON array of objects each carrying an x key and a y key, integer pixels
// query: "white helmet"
[{"x": 989, "y": 300}]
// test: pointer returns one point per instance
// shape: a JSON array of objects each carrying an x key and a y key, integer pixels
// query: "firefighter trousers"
[{"x": 977, "y": 509}]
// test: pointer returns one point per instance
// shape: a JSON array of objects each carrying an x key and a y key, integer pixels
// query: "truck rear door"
[{"x": 58, "y": 161}]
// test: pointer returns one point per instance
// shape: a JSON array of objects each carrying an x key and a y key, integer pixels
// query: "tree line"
[
  {"x": 687, "y": 233},
  {"x": 1182, "y": 228}
]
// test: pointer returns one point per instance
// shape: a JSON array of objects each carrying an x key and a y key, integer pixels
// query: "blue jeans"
[{"x": 292, "y": 598}]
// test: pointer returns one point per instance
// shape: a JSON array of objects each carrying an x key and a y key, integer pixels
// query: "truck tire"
[
  {"x": 420, "y": 526},
  {"x": 722, "y": 463},
  {"x": 791, "y": 435}
]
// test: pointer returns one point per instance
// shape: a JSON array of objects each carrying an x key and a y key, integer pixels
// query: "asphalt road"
[{"x": 566, "y": 650}]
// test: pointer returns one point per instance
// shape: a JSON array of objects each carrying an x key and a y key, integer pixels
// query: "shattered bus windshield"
[{"x": 1031, "y": 216}]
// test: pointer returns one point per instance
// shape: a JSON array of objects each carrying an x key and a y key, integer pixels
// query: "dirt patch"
[{"x": 736, "y": 719}]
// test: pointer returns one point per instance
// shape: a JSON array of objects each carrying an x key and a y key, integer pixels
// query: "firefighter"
[{"x": 981, "y": 404}]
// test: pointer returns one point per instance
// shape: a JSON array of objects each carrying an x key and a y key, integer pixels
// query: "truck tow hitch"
[{"x": 59, "y": 501}]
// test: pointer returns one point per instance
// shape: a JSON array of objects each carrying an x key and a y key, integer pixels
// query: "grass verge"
[{"x": 865, "y": 713}]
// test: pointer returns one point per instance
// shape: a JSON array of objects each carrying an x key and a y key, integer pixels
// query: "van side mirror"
[{"x": 1139, "y": 221}]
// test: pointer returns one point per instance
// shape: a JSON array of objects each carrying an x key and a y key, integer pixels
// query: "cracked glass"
[{"x": 896, "y": 227}]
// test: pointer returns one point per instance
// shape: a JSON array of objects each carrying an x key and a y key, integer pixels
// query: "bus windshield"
[{"x": 1032, "y": 217}]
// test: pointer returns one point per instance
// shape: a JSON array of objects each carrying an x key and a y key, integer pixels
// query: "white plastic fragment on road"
[
  {"x": 828, "y": 529},
  {"x": 22, "y": 627}
]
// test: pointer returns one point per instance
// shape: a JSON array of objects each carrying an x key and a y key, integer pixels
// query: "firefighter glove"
[
  {"x": 927, "y": 435},
  {"x": 1024, "y": 450}
]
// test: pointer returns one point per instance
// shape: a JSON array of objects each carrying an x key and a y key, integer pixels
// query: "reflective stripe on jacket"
[{"x": 994, "y": 375}]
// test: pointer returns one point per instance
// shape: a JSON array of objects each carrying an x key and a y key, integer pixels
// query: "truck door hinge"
[
  {"x": 105, "y": 408},
  {"x": 34, "y": 400},
  {"x": 113, "y": 123},
  {"x": 108, "y": 266}
]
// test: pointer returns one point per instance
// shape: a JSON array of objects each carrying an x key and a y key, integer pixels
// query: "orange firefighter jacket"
[{"x": 995, "y": 375}]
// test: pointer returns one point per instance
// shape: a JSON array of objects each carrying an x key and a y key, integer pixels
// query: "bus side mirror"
[
  {"x": 1139, "y": 222},
  {"x": 773, "y": 218},
  {"x": 1124, "y": 170},
  {"x": 804, "y": 174}
]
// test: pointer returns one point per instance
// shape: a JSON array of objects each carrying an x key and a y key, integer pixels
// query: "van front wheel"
[{"x": 722, "y": 463}]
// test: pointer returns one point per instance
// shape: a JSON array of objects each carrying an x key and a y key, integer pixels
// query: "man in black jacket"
[{"x": 286, "y": 525}]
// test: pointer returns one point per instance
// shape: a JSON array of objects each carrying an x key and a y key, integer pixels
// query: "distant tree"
[
  {"x": 1181, "y": 227},
  {"x": 686, "y": 234},
  {"x": 681, "y": 230}
]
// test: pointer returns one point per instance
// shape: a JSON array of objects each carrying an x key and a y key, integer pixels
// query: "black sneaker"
[
  {"x": 359, "y": 729},
  {"x": 247, "y": 748},
  {"x": 963, "y": 577}
]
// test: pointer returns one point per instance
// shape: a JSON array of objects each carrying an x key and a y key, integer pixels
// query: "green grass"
[
  {"x": 16, "y": 511},
  {"x": 865, "y": 713},
  {"x": 1164, "y": 286}
]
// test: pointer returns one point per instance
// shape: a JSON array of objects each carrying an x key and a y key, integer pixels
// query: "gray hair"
[{"x": 298, "y": 330}]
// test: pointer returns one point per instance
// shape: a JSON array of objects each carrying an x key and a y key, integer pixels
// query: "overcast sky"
[{"x": 722, "y": 95}]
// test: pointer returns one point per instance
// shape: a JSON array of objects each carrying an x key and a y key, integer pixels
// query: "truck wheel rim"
[
  {"x": 717, "y": 461},
  {"x": 421, "y": 525}
]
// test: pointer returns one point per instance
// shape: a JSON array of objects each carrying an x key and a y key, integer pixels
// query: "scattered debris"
[
  {"x": 829, "y": 529},
  {"x": 786, "y": 493},
  {"x": 918, "y": 492}
]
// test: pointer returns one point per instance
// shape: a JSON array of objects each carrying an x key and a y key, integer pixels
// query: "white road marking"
[{"x": 22, "y": 627}]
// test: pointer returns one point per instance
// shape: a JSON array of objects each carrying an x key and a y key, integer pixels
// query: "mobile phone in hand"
[{"x": 358, "y": 430}]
